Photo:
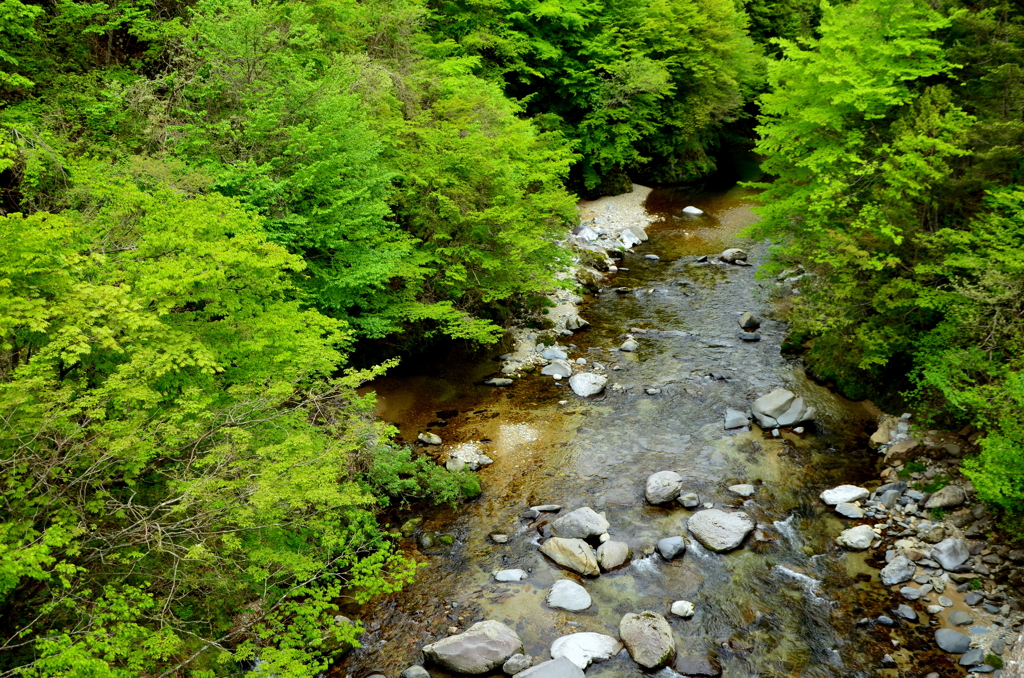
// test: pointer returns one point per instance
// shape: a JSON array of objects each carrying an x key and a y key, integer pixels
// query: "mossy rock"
[
  {"x": 470, "y": 486},
  {"x": 410, "y": 526},
  {"x": 446, "y": 539}
]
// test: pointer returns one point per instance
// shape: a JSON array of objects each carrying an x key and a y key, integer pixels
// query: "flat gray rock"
[
  {"x": 899, "y": 570},
  {"x": 586, "y": 384},
  {"x": 483, "y": 647},
  {"x": 568, "y": 595},
  {"x": 560, "y": 367},
  {"x": 554, "y": 354},
  {"x": 582, "y": 649},
  {"x": 572, "y": 554},
  {"x": 556, "y": 668},
  {"x": 648, "y": 637},
  {"x": 612, "y": 555},
  {"x": 906, "y": 612},
  {"x": 663, "y": 487},
  {"x": 735, "y": 418},
  {"x": 973, "y": 657},
  {"x": 910, "y": 593},
  {"x": 415, "y": 672},
  {"x": 950, "y": 496},
  {"x": 952, "y": 641},
  {"x": 950, "y": 553},
  {"x": 719, "y": 530},
  {"x": 848, "y": 510},
  {"x": 580, "y": 524},
  {"x": 844, "y": 494}
]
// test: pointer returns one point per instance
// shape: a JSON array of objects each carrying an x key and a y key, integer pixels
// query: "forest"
[{"x": 219, "y": 217}]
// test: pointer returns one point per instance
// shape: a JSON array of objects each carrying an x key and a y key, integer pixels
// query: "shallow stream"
[{"x": 784, "y": 605}]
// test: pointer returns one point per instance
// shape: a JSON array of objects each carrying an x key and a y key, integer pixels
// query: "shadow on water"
[{"x": 784, "y": 605}]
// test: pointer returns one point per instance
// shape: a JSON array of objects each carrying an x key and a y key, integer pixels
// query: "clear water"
[{"x": 784, "y": 606}]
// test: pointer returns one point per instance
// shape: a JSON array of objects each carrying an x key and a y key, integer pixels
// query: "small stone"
[
  {"x": 689, "y": 500},
  {"x": 898, "y": 571},
  {"x": 959, "y": 618},
  {"x": 910, "y": 593},
  {"x": 735, "y": 418},
  {"x": 973, "y": 657},
  {"x": 415, "y": 672},
  {"x": 934, "y": 609},
  {"x": 497, "y": 381},
  {"x": 548, "y": 508},
  {"x": 948, "y": 497},
  {"x": 429, "y": 438},
  {"x": 663, "y": 487},
  {"x": 516, "y": 663},
  {"x": 885, "y": 621},
  {"x": 652, "y": 257},
  {"x": 906, "y": 612},
  {"x": 629, "y": 346},
  {"x": 973, "y": 598},
  {"x": 732, "y": 255},
  {"x": 748, "y": 336},
  {"x": 499, "y": 538},
  {"x": 857, "y": 538},
  {"x": 944, "y": 601},
  {"x": 690, "y": 209},
  {"x": 671, "y": 547},
  {"x": 683, "y": 608},
  {"x": 749, "y": 321},
  {"x": 844, "y": 494}
]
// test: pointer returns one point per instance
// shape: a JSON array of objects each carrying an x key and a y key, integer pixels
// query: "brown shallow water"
[{"x": 781, "y": 607}]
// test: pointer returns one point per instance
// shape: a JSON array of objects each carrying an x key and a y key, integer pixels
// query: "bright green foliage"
[
  {"x": 857, "y": 149},
  {"x": 974, "y": 358},
  {"x": 631, "y": 82},
  {"x": 176, "y": 459},
  {"x": 900, "y": 194},
  {"x": 482, "y": 190}
]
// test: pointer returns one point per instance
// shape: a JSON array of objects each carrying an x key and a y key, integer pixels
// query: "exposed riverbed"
[{"x": 784, "y": 605}]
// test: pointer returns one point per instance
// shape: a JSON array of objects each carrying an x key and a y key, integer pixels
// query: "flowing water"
[{"x": 783, "y": 605}]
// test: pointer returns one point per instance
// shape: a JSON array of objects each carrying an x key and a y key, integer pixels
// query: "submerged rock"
[
  {"x": 568, "y": 595},
  {"x": 510, "y": 575},
  {"x": 582, "y": 649},
  {"x": 720, "y": 531},
  {"x": 572, "y": 554},
  {"x": 630, "y": 345},
  {"x": 556, "y": 668},
  {"x": 482, "y": 648},
  {"x": 557, "y": 366},
  {"x": 517, "y": 663},
  {"x": 648, "y": 637}
]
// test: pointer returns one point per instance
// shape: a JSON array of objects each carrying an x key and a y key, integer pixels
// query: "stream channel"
[{"x": 785, "y": 604}]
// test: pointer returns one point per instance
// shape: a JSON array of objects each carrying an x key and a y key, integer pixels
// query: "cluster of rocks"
[
  {"x": 778, "y": 410},
  {"x": 489, "y": 645},
  {"x": 570, "y": 543},
  {"x": 934, "y": 544},
  {"x": 585, "y": 378},
  {"x": 715, "y": 529}
]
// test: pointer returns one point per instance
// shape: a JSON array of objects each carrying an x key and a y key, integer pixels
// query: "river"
[{"x": 783, "y": 605}]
